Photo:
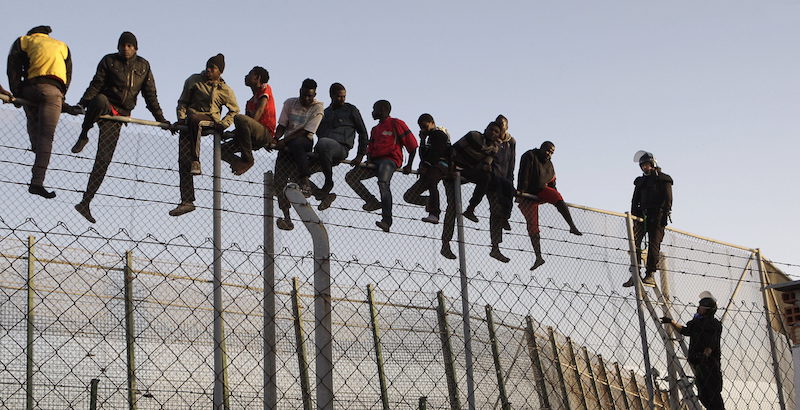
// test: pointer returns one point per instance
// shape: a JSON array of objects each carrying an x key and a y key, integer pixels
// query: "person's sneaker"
[
  {"x": 83, "y": 209},
  {"x": 284, "y": 224},
  {"x": 507, "y": 226},
  {"x": 183, "y": 208},
  {"x": 195, "y": 169},
  {"x": 431, "y": 219},
  {"x": 495, "y": 253},
  {"x": 649, "y": 280},
  {"x": 629, "y": 283},
  {"x": 326, "y": 202},
  {"x": 370, "y": 206},
  {"x": 447, "y": 252},
  {"x": 539, "y": 262},
  {"x": 79, "y": 145},
  {"x": 39, "y": 190},
  {"x": 470, "y": 214},
  {"x": 383, "y": 225},
  {"x": 575, "y": 231}
]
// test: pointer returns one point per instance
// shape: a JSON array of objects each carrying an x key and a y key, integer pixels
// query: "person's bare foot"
[
  {"x": 240, "y": 167},
  {"x": 539, "y": 262}
]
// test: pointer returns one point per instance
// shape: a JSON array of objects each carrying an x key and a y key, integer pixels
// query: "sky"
[{"x": 711, "y": 88}]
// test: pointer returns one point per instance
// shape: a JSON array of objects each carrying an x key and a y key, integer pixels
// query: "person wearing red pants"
[{"x": 538, "y": 177}]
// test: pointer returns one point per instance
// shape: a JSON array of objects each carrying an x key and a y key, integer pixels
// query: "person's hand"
[
  {"x": 165, "y": 125},
  {"x": 707, "y": 352},
  {"x": 76, "y": 109},
  {"x": 665, "y": 218},
  {"x": 407, "y": 169},
  {"x": 356, "y": 161},
  {"x": 666, "y": 320},
  {"x": 280, "y": 144}
]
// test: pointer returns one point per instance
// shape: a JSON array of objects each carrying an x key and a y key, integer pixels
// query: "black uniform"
[
  {"x": 706, "y": 332},
  {"x": 652, "y": 201}
]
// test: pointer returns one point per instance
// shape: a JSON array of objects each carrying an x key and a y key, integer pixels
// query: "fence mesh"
[{"x": 564, "y": 336}]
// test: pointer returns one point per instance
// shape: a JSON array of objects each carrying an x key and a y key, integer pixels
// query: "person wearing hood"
[
  {"x": 40, "y": 71},
  {"x": 652, "y": 202},
  {"x": 538, "y": 177},
  {"x": 705, "y": 334},
  {"x": 204, "y": 94},
  {"x": 116, "y": 84},
  {"x": 501, "y": 189}
]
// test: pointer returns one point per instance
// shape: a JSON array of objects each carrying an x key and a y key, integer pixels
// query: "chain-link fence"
[{"x": 120, "y": 313}]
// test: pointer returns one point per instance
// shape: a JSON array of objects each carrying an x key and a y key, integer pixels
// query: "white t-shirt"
[{"x": 295, "y": 117}]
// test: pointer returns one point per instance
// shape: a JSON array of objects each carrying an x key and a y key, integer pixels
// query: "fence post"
[
  {"x": 637, "y": 391},
  {"x": 130, "y": 346},
  {"x": 574, "y": 364},
  {"x": 604, "y": 373},
  {"x": 501, "y": 385},
  {"x": 775, "y": 364},
  {"x": 423, "y": 403},
  {"x": 219, "y": 361},
  {"x": 669, "y": 346},
  {"x": 376, "y": 339},
  {"x": 323, "y": 332},
  {"x": 559, "y": 368},
  {"x": 300, "y": 340},
  {"x": 270, "y": 361},
  {"x": 592, "y": 377},
  {"x": 648, "y": 376},
  {"x": 447, "y": 352},
  {"x": 462, "y": 264},
  {"x": 93, "y": 394},
  {"x": 538, "y": 373},
  {"x": 622, "y": 386},
  {"x": 29, "y": 399}
]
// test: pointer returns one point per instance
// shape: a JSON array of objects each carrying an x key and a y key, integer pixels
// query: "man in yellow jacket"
[{"x": 39, "y": 71}]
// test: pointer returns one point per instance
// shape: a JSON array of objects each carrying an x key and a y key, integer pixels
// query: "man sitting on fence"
[
  {"x": 335, "y": 138},
  {"x": 40, "y": 70},
  {"x": 202, "y": 99},
  {"x": 435, "y": 152},
  {"x": 113, "y": 90},
  {"x": 501, "y": 188},
  {"x": 299, "y": 120},
  {"x": 254, "y": 129},
  {"x": 472, "y": 155},
  {"x": 385, "y": 153},
  {"x": 538, "y": 177}
]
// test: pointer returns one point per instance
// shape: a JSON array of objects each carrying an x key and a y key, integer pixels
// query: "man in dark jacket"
[
  {"x": 435, "y": 152},
  {"x": 705, "y": 334},
  {"x": 501, "y": 188},
  {"x": 652, "y": 201},
  {"x": 40, "y": 71},
  {"x": 119, "y": 78},
  {"x": 537, "y": 177},
  {"x": 472, "y": 155}
]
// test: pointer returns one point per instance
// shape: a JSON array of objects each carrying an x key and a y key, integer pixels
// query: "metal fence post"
[
  {"x": 130, "y": 327},
  {"x": 270, "y": 363},
  {"x": 447, "y": 352},
  {"x": 607, "y": 381},
  {"x": 423, "y": 403},
  {"x": 775, "y": 364},
  {"x": 462, "y": 264},
  {"x": 219, "y": 360},
  {"x": 592, "y": 377},
  {"x": 29, "y": 399},
  {"x": 323, "y": 332},
  {"x": 648, "y": 376},
  {"x": 637, "y": 390},
  {"x": 669, "y": 346},
  {"x": 376, "y": 339},
  {"x": 559, "y": 368},
  {"x": 93, "y": 394},
  {"x": 300, "y": 340},
  {"x": 625, "y": 400},
  {"x": 574, "y": 364},
  {"x": 538, "y": 373},
  {"x": 501, "y": 385}
]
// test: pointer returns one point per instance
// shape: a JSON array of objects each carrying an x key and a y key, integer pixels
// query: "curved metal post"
[
  {"x": 323, "y": 333},
  {"x": 270, "y": 364},
  {"x": 462, "y": 265},
  {"x": 220, "y": 387}
]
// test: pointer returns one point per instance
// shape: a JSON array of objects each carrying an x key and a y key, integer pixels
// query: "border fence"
[{"x": 121, "y": 313}]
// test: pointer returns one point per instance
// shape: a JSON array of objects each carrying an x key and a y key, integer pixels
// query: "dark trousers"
[
  {"x": 708, "y": 377},
  {"x": 501, "y": 201},
  {"x": 428, "y": 180},
  {"x": 298, "y": 149},
  {"x": 286, "y": 167},
  {"x": 249, "y": 135},
  {"x": 329, "y": 154},
  {"x": 655, "y": 234},
  {"x": 188, "y": 152},
  {"x": 384, "y": 169},
  {"x": 106, "y": 143},
  {"x": 480, "y": 179},
  {"x": 42, "y": 118}
]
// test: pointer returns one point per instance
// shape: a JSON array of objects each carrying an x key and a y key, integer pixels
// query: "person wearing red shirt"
[
  {"x": 256, "y": 129},
  {"x": 385, "y": 155}
]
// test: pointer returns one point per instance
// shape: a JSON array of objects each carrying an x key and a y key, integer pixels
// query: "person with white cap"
[
  {"x": 652, "y": 202},
  {"x": 705, "y": 333}
]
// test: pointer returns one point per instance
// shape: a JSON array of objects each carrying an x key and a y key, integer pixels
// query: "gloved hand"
[
  {"x": 666, "y": 320},
  {"x": 665, "y": 218},
  {"x": 76, "y": 109}
]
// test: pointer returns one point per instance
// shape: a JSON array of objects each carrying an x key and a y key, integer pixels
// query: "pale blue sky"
[{"x": 710, "y": 87}]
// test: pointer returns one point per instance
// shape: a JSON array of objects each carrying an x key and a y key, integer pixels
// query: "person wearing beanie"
[
  {"x": 40, "y": 70},
  {"x": 116, "y": 84},
  {"x": 705, "y": 334},
  {"x": 652, "y": 202},
  {"x": 203, "y": 97}
]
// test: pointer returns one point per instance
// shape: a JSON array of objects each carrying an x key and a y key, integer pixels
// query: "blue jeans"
[{"x": 384, "y": 169}]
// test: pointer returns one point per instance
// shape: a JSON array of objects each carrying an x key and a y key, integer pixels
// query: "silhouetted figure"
[
  {"x": 501, "y": 188},
  {"x": 435, "y": 157}
]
